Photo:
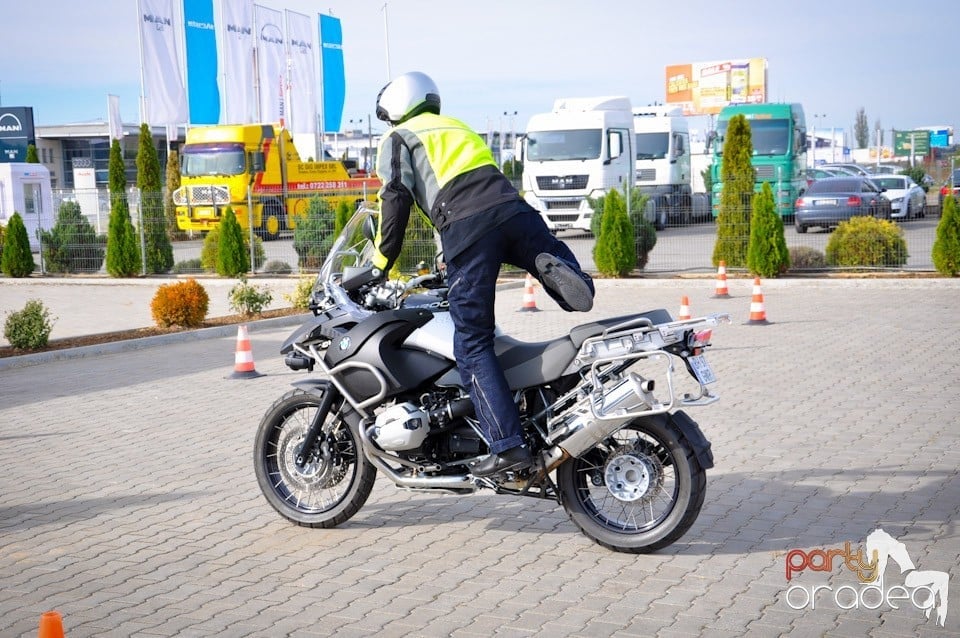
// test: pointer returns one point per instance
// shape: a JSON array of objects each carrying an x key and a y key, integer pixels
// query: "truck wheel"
[
  {"x": 272, "y": 220},
  {"x": 663, "y": 213}
]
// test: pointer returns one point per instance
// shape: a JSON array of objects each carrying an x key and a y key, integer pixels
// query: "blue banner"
[
  {"x": 203, "y": 93},
  {"x": 331, "y": 68}
]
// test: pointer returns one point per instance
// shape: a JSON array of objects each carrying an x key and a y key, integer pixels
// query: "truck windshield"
[
  {"x": 769, "y": 137},
  {"x": 552, "y": 146},
  {"x": 652, "y": 145},
  {"x": 221, "y": 159}
]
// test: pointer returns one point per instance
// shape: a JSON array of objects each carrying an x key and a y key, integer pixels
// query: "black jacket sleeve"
[{"x": 395, "y": 203}]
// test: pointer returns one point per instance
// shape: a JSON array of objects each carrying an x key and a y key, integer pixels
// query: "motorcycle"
[{"x": 599, "y": 408}]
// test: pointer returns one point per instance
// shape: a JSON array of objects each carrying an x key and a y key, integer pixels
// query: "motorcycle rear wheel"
[
  {"x": 335, "y": 481},
  {"x": 638, "y": 491}
]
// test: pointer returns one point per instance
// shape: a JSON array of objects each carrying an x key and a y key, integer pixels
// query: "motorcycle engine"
[{"x": 401, "y": 427}]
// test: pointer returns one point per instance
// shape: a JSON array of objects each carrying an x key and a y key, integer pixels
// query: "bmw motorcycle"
[{"x": 600, "y": 408}]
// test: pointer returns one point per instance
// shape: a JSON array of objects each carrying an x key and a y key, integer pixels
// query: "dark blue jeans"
[{"x": 472, "y": 276}]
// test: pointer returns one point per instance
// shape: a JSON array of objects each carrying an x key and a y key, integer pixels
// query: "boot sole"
[{"x": 565, "y": 282}]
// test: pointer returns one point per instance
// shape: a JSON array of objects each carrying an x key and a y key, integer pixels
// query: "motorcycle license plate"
[{"x": 701, "y": 368}]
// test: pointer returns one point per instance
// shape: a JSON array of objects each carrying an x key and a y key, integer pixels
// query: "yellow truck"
[{"x": 256, "y": 170}]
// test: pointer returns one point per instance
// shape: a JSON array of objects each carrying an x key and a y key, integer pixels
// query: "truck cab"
[
  {"x": 662, "y": 145},
  {"x": 581, "y": 149}
]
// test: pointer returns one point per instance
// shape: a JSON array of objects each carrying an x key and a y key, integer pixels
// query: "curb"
[{"x": 20, "y": 361}]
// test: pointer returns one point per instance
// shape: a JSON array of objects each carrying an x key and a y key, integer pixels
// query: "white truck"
[
  {"x": 25, "y": 189},
  {"x": 580, "y": 149},
  {"x": 663, "y": 162}
]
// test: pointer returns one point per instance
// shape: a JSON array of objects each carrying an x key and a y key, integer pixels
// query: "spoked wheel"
[
  {"x": 321, "y": 487},
  {"x": 638, "y": 491}
]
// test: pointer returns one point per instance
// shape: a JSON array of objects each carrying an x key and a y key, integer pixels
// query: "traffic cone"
[
  {"x": 721, "y": 291},
  {"x": 758, "y": 313},
  {"x": 243, "y": 361},
  {"x": 529, "y": 303},
  {"x": 684, "y": 308},
  {"x": 51, "y": 625}
]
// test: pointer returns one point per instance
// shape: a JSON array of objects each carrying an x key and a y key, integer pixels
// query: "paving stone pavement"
[{"x": 129, "y": 504}]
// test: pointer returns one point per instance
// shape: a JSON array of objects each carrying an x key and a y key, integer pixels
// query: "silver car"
[
  {"x": 832, "y": 200},
  {"x": 907, "y": 200}
]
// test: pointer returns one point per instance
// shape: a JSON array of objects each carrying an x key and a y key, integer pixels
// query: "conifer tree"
[
  {"x": 159, "y": 252},
  {"x": 17, "y": 260},
  {"x": 767, "y": 254},
  {"x": 737, "y": 176},
  {"x": 615, "y": 252},
  {"x": 232, "y": 258},
  {"x": 32, "y": 157},
  {"x": 172, "y": 184},
  {"x": 946, "y": 246},
  {"x": 123, "y": 246}
]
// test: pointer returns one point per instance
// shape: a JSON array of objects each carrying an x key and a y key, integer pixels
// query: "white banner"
[
  {"x": 237, "y": 44},
  {"x": 113, "y": 117},
  {"x": 301, "y": 92},
  {"x": 166, "y": 100},
  {"x": 271, "y": 67}
]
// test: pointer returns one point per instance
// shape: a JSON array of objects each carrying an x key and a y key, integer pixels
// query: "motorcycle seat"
[{"x": 587, "y": 330}]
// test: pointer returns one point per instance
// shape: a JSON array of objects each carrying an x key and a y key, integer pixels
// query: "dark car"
[
  {"x": 951, "y": 187},
  {"x": 831, "y": 200}
]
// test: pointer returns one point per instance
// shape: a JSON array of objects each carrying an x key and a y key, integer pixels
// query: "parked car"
[
  {"x": 853, "y": 169},
  {"x": 831, "y": 200},
  {"x": 883, "y": 169},
  {"x": 907, "y": 199},
  {"x": 816, "y": 173},
  {"x": 951, "y": 186}
]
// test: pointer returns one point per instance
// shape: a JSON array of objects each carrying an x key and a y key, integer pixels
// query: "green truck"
[{"x": 779, "y": 135}]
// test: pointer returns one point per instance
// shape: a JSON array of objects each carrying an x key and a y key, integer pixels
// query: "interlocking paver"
[{"x": 837, "y": 418}]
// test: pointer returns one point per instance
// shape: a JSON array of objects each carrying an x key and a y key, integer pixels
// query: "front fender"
[{"x": 691, "y": 432}]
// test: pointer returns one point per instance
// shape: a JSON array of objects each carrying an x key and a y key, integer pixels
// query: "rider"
[{"x": 447, "y": 170}]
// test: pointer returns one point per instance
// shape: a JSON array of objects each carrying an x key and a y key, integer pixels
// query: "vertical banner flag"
[
  {"x": 236, "y": 39},
  {"x": 163, "y": 80},
  {"x": 331, "y": 68},
  {"x": 271, "y": 63},
  {"x": 303, "y": 77},
  {"x": 203, "y": 95},
  {"x": 113, "y": 113}
]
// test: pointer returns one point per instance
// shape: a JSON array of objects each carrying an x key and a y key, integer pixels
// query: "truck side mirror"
[
  {"x": 518, "y": 148},
  {"x": 257, "y": 163}
]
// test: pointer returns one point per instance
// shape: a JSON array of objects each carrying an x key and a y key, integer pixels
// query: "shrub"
[
  {"x": 343, "y": 215},
  {"x": 29, "y": 328},
  {"x": 277, "y": 267},
  {"x": 300, "y": 297},
  {"x": 211, "y": 249},
  {"x": 17, "y": 260},
  {"x": 314, "y": 234},
  {"x": 867, "y": 241},
  {"x": 737, "y": 177},
  {"x": 183, "y": 304},
  {"x": 232, "y": 257},
  {"x": 767, "y": 254},
  {"x": 615, "y": 251},
  {"x": 806, "y": 258},
  {"x": 187, "y": 266},
  {"x": 72, "y": 245},
  {"x": 946, "y": 246},
  {"x": 248, "y": 299},
  {"x": 123, "y": 245},
  {"x": 645, "y": 235}
]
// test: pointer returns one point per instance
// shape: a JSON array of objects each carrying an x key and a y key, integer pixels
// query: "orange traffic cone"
[
  {"x": 684, "y": 308},
  {"x": 51, "y": 625},
  {"x": 721, "y": 291},
  {"x": 243, "y": 361},
  {"x": 529, "y": 303},
  {"x": 758, "y": 313}
]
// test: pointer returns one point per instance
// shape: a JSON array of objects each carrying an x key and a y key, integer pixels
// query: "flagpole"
[
  {"x": 143, "y": 99},
  {"x": 386, "y": 40}
]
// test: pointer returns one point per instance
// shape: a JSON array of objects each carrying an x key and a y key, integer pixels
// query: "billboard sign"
[
  {"x": 907, "y": 143},
  {"x": 702, "y": 88},
  {"x": 16, "y": 132}
]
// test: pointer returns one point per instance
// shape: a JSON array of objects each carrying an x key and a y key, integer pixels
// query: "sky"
[{"x": 515, "y": 57}]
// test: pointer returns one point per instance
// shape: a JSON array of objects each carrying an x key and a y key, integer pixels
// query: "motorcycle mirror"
[{"x": 369, "y": 229}]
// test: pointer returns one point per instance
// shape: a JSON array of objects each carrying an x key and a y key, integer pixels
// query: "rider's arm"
[{"x": 396, "y": 197}]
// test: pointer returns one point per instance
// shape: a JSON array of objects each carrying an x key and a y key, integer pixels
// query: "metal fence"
[{"x": 77, "y": 244}]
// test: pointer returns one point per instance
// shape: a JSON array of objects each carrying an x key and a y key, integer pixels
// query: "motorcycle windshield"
[{"x": 352, "y": 247}]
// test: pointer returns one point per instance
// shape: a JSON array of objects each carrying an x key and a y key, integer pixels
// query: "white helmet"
[{"x": 408, "y": 95}]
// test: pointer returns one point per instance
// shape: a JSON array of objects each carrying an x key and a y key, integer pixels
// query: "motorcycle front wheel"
[
  {"x": 638, "y": 491},
  {"x": 332, "y": 481}
]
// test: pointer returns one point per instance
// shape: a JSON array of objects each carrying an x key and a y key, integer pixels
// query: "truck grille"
[
  {"x": 201, "y": 195},
  {"x": 765, "y": 172},
  {"x": 562, "y": 204},
  {"x": 563, "y": 218},
  {"x": 647, "y": 175},
  {"x": 560, "y": 183}
]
